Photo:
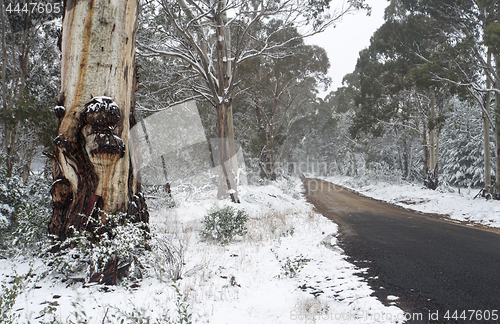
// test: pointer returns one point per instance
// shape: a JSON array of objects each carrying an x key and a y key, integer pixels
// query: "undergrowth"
[
  {"x": 224, "y": 225},
  {"x": 9, "y": 292}
]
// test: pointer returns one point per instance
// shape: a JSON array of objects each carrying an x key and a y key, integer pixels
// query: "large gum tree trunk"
[{"x": 96, "y": 111}]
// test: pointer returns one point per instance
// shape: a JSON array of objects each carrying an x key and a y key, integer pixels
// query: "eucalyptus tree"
[
  {"x": 469, "y": 31},
  {"x": 276, "y": 91},
  {"x": 92, "y": 166},
  {"x": 214, "y": 37},
  {"x": 396, "y": 91},
  {"x": 320, "y": 137}
]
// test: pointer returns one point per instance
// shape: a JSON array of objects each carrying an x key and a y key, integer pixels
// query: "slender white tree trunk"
[
  {"x": 497, "y": 128},
  {"x": 225, "y": 133},
  {"x": 432, "y": 137},
  {"x": 486, "y": 133}
]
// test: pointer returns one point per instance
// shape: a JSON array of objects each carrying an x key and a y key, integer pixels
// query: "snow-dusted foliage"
[
  {"x": 323, "y": 146},
  {"x": 224, "y": 225},
  {"x": 112, "y": 239},
  {"x": 12, "y": 194},
  {"x": 462, "y": 158},
  {"x": 24, "y": 211},
  {"x": 321, "y": 143},
  {"x": 8, "y": 295},
  {"x": 32, "y": 81}
]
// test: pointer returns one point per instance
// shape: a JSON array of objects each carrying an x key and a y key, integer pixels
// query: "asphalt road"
[{"x": 433, "y": 265}]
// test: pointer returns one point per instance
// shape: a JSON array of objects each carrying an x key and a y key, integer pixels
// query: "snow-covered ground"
[
  {"x": 460, "y": 206},
  {"x": 247, "y": 281}
]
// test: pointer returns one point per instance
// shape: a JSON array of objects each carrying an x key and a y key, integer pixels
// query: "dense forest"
[{"x": 420, "y": 106}]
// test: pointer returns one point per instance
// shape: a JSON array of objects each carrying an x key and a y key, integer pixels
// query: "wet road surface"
[{"x": 433, "y": 265}]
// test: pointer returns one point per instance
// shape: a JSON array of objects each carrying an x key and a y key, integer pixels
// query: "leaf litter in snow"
[{"x": 288, "y": 268}]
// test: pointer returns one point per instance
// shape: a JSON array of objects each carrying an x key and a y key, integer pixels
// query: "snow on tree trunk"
[
  {"x": 431, "y": 150},
  {"x": 425, "y": 145},
  {"x": 496, "y": 128},
  {"x": 96, "y": 111},
  {"x": 225, "y": 134},
  {"x": 497, "y": 142},
  {"x": 227, "y": 155},
  {"x": 486, "y": 132}
]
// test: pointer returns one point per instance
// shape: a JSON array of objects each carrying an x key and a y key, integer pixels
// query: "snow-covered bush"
[
  {"x": 223, "y": 225},
  {"x": 382, "y": 171},
  {"x": 30, "y": 228},
  {"x": 462, "y": 158},
  {"x": 8, "y": 295},
  {"x": 24, "y": 211},
  {"x": 287, "y": 184},
  {"x": 158, "y": 196},
  {"x": 91, "y": 252},
  {"x": 137, "y": 315},
  {"x": 12, "y": 195}
]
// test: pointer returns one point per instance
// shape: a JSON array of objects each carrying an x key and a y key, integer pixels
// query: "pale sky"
[{"x": 351, "y": 35}]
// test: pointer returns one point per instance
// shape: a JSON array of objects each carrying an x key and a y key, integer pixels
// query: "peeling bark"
[{"x": 92, "y": 167}]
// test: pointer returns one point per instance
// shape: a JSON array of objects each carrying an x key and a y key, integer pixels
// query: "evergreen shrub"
[{"x": 224, "y": 225}]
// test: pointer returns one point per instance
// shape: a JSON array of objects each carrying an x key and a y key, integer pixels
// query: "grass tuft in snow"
[
  {"x": 168, "y": 256},
  {"x": 290, "y": 267}
]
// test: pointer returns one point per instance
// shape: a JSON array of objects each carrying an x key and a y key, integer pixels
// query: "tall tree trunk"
[
  {"x": 96, "y": 111},
  {"x": 431, "y": 180},
  {"x": 227, "y": 183},
  {"x": 432, "y": 153},
  {"x": 4, "y": 57},
  {"x": 4, "y": 83},
  {"x": 271, "y": 137},
  {"x": 486, "y": 132},
  {"x": 497, "y": 142},
  {"x": 12, "y": 124},
  {"x": 432, "y": 136},
  {"x": 229, "y": 71},
  {"x": 425, "y": 145},
  {"x": 11, "y": 137},
  {"x": 225, "y": 134},
  {"x": 405, "y": 164},
  {"x": 486, "y": 146},
  {"x": 436, "y": 158},
  {"x": 497, "y": 128}
]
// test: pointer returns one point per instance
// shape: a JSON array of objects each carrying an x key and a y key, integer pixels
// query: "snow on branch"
[{"x": 198, "y": 32}]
